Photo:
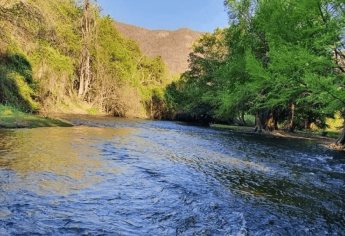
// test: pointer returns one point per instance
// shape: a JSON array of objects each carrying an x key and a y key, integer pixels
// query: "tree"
[
  {"x": 195, "y": 91},
  {"x": 88, "y": 29},
  {"x": 284, "y": 65}
]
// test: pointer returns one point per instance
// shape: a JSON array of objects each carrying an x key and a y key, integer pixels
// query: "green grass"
[
  {"x": 93, "y": 111},
  {"x": 250, "y": 129},
  {"x": 12, "y": 118},
  {"x": 235, "y": 128},
  {"x": 327, "y": 133}
]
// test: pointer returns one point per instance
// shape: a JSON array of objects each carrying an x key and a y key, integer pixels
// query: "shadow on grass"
[{"x": 16, "y": 83}]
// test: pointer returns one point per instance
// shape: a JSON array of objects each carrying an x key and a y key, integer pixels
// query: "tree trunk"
[
  {"x": 81, "y": 83},
  {"x": 272, "y": 123},
  {"x": 307, "y": 124},
  {"x": 258, "y": 123},
  {"x": 151, "y": 108},
  {"x": 242, "y": 119},
  {"x": 276, "y": 124},
  {"x": 88, "y": 74},
  {"x": 341, "y": 139},
  {"x": 291, "y": 126},
  {"x": 87, "y": 26}
]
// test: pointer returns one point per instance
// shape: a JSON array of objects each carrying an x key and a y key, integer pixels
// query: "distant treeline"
[{"x": 280, "y": 61}]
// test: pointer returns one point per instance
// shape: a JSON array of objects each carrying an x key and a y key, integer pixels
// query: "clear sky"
[{"x": 200, "y": 15}]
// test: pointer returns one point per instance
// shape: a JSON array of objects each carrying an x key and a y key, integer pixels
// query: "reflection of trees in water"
[{"x": 56, "y": 159}]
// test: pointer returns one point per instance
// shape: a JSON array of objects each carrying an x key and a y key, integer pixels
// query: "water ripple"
[{"x": 131, "y": 177}]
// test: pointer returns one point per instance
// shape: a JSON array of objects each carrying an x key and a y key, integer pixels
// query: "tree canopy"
[{"x": 280, "y": 61}]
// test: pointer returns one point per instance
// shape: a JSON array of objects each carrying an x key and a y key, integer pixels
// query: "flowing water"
[{"x": 128, "y": 177}]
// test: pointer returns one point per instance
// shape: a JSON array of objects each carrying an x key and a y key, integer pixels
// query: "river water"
[{"x": 128, "y": 177}]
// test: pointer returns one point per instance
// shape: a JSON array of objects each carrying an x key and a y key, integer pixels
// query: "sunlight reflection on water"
[
  {"x": 135, "y": 177},
  {"x": 56, "y": 160}
]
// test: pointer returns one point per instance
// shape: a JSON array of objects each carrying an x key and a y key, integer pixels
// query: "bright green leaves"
[{"x": 280, "y": 60}]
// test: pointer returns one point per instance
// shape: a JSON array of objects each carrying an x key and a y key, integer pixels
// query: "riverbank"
[
  {"x": 328, "y": 140},
  {"x": 12, "y": 118}
]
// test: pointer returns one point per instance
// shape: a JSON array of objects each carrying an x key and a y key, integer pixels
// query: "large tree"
[{"x": 284, "y": 65}]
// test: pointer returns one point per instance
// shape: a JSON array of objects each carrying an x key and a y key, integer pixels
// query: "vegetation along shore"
[{"x": 66, "y": 57}]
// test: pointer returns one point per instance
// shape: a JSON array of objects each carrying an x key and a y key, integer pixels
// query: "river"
[{"x": 110, "y": 176}]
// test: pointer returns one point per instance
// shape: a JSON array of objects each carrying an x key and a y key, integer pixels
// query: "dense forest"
[
  {"x": 279, "y": 61},
  {"x": 63, "y": 56}
]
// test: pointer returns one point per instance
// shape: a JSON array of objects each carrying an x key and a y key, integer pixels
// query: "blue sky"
[{"x": 200, "y": 15}]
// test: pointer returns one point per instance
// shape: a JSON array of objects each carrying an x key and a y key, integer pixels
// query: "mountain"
[{"x": 173, "y": 46}]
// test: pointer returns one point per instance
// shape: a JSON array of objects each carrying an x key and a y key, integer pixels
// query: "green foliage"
[
  {"x": 119, "y": 67},
  {"x": 46, "y": 54},
  {"x": 113, "y": 51},
  {"x": 12, "y": 118},
  {"x": 195, "y": 92},
  {"x": 16, "y": 83},
  {"x": 284, "y": 64},
  {"x": 50, "y": 35}
]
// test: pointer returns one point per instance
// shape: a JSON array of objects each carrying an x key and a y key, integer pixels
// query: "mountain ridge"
[{"x": 173, "y": 46}]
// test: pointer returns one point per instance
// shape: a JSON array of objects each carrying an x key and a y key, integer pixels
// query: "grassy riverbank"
[
  {"x": 325, "y": 138},
  {"x": 12, "y": 118}
]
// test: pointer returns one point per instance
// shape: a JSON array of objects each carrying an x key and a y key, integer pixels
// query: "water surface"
[{"x": 129, "y": 177}]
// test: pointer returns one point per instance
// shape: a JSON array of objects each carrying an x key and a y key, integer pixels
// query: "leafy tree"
[
  {"x": 194, "y": 93},
  {"x": 284, "y": 64}
]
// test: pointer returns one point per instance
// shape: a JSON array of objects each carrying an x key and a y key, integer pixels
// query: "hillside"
[
  {"x": 63, "y": 56},
  {"x": 173, "y": 46}
]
